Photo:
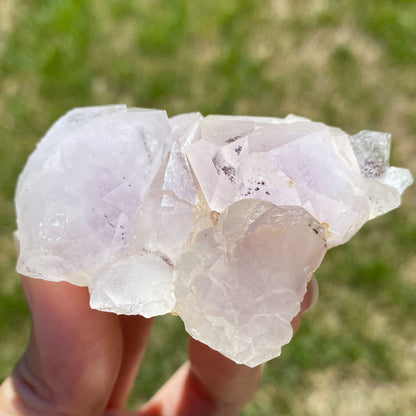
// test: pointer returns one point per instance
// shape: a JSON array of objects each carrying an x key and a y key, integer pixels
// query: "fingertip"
[
  {"x": 313, "y": 294},
  {"x": 308, "y": 302}
]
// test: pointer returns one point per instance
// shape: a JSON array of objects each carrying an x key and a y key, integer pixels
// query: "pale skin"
[{"x": 80, "y": 361}]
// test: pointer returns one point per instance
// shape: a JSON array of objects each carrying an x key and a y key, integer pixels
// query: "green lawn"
[{"x": 348, "y": 63}]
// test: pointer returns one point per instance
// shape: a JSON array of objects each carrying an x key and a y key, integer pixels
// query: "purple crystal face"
[
  {"x": 221, "y": 220},
  {"x": 292, "y": 162}
]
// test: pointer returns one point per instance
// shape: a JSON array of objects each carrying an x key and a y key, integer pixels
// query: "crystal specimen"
[{"x": 221, "y": 220}]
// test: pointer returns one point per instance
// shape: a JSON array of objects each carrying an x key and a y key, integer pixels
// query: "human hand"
[{"x": 81, "y": 361}]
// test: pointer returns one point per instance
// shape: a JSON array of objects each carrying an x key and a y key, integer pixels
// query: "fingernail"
[
  {"x": 16, "y": 240},
  {"x": 313, "y": 293}
]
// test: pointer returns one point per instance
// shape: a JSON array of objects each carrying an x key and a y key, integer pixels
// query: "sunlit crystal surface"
[
  {"x": 82, "y": 196},
  {"x": 385, "y": 184},
  {"x": 221, "y": 220},
  {"x": 238, "y": 285},
  {"x": 287, "y": 162}
]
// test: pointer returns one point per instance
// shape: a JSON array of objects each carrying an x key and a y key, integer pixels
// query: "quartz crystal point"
[
  {"x": 385, "y": 184},
  {"x": 221, "y": 220}
]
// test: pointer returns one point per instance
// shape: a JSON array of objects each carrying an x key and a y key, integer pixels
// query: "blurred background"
[{"x": 348, "y": 63}]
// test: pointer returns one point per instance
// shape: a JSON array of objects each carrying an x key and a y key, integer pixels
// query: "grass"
[{"x": 346, "y": 63}]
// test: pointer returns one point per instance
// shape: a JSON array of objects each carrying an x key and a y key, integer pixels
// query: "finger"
[
  {"x": 209, "y": 384},
  {"x": 231, "y": 386},
  {"x": 136, "y": 331},
  {"x": 309, "y": 300},
  {"x": 181, "y": 395},
  {"x": 74, "y": 353}
]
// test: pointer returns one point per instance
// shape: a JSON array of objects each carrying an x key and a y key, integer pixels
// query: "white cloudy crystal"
[
  {"x": 78, "y": 200},
  {"x": 240, "y": 283},
  {"x": 221, "y": 220},
  {"x": 143, "y": 284}
]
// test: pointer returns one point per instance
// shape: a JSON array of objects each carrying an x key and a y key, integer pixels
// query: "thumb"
[{"x": 73, "y": 356}]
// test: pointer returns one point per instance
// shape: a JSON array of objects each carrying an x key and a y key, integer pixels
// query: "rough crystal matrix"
[{"x": 221, "y": 220}]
